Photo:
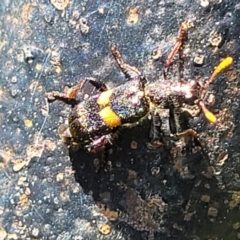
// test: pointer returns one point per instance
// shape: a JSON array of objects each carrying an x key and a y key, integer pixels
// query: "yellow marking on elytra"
[
  {"x": 104, "y": 98},
  {"x": 221, "y": 66},
  {"x": 110, "y": 118}
]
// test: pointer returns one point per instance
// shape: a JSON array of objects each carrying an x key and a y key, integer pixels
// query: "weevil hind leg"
[
  {"x": 74, "y": 94},
  {"x": 129, "y": 71},
  {"x": 99, "y": 85},
  {"x": 68, "y": 94}
]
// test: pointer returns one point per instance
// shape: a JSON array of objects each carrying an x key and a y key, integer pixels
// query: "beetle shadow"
[{"x": 146, "y": 191}]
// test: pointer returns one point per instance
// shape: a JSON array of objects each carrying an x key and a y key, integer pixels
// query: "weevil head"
[
  {"x": 192, "y": 92},
  {"x": 196, "y": 89}
]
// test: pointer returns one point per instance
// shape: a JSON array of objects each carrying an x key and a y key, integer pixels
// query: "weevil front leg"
[{"x": 129, "y": 71}]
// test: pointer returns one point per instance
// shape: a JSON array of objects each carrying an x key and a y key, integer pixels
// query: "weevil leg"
[
  {"x": 181, "y": 35},
  {"x": 68, "y": 93},
  {"x": 104, "y": 157},
  {"x": 182, "y": 128},
  {"x": 100, "y": 143},
  {"x": 193, "y": 111},
  {"x": 67, "y": 138},
  {"x": 159, "y": 128},
  {"x": 190, "y": 133},
  {"x": 181, "y": 67},
  {"x": 99, "y": 85},
  {"x": 175, "y": 125},
  {"x": 129, "y": 71},
  {"x": 64, "y": 133},
  {"x": 101, "y": 162},
  {"x": 156, "y": 134}
]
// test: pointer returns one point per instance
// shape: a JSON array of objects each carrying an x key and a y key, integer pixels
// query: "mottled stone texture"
[{"x": 50, "y": 192}]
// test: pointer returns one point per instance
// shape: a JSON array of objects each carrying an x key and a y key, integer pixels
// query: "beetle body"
[
  {"x": 95, "y": 119},
  {"x": 105, "y": 111}
]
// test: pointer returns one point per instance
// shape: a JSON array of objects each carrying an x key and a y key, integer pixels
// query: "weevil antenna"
[
  {"x": 221, "y": 66},
  {"x": 208, "y": 114}
]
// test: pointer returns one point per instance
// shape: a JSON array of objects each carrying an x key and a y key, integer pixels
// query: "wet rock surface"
[{"x": 51, "y": 192}]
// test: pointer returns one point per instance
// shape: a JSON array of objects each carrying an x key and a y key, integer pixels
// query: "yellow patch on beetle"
[
  {"x": 110, "y": 118},
  {"x": 104, "y": 98}
]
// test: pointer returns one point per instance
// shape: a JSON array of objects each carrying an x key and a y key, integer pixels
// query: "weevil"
[{"x": 93, "y": 121}]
